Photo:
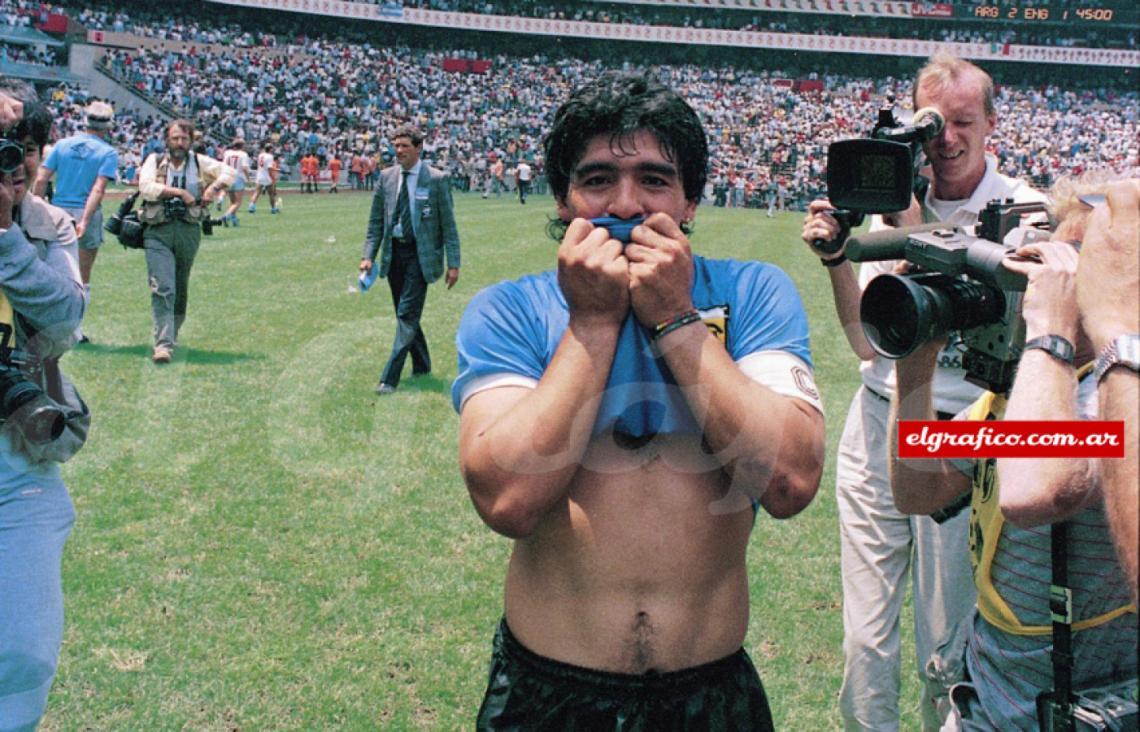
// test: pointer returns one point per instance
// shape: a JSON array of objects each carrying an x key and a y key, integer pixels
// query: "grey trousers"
[{"x": 170, "y": 251}]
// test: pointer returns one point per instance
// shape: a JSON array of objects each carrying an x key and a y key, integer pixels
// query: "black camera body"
[
  {"x": 124, "y": 224},
  {"x": 24, "y": 404},
  {"x": 878, "y": 174},
  {"x": 963, "y": 287},
  {"x": 175, "y": 209}
]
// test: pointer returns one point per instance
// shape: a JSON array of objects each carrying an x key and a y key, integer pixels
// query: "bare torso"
[{"x": 642, "y": 568}]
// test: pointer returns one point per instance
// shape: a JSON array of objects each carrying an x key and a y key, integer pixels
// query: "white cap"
[{"x": 100, "y": 116}]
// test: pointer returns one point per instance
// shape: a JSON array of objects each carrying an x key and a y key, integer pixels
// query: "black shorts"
[{"x": 529, "y": 692}]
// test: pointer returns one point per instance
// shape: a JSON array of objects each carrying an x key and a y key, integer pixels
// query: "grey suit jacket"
[{"x": 433, "y": 218}]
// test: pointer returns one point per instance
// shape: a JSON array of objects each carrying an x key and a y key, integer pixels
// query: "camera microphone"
[{"x": 928, "y": 122}]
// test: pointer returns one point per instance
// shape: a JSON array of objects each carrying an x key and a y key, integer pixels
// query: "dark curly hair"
[
  {"x": 36, "y": 122},
  {"x": 621, "y": 104}
]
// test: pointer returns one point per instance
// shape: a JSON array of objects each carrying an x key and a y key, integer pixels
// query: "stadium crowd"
[
  {"x": 766, "y": 137},
  {"x": 332, "y": 93}
]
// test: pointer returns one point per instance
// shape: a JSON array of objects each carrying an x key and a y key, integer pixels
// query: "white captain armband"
[
  {"x": 783, "y": 373},
  {"x": 491, "y": 381}
]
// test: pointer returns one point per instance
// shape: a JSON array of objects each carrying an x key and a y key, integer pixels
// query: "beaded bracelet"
[{"x": 672, "y": 324}]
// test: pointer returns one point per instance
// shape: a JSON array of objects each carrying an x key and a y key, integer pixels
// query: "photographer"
[
  {"x": 1009, "y": 643},
  {"x": 41, "y": 305},
  {"x": 1108, "y": 289},
  {"x": 176, "y": 190},
  {"x": 878, "y": 543}
]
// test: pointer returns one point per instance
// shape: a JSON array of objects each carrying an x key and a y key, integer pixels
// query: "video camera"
[
  {"x": 878, "y": 174},
  {"x": 125, "y": 224},
  {"x": 965, "y": 288}
]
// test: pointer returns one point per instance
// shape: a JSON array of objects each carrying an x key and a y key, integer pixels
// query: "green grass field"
[{"x": 263, "y": 544}]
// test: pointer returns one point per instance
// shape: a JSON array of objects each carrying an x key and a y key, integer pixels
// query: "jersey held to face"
[{"x": 626, "y": 177}]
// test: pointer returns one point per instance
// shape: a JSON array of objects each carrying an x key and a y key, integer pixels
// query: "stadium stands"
[{"x": 329, "y": 92}]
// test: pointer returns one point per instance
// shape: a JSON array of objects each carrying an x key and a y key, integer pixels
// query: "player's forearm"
[
  {"x": 1120, "y": 478},
  {"x": 769, "y": 444},
  {"x": 919, "y": 486},
  {"x": 845, "y": 289},
  {"x": 518, "y": 462},
  {"x": 1038, "y": 491}
]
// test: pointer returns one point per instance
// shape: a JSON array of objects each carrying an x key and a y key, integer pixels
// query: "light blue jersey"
[
  {"x": 514, "y": 328},
  {"x": 77, "y": 161}
]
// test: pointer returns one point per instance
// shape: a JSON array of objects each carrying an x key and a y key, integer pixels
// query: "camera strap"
[{"x": 1061, "y": 610}]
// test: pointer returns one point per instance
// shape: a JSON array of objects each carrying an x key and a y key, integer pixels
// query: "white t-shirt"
[
  {"x": 238, "y": 160},
  {"x": 264, "y": 163}
]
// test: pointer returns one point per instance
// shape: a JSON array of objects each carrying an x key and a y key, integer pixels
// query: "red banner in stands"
[
  {"x": 55, "y": 23},
  {"x": 466, "y": 66},
  {"x": 808, "y": 85}
]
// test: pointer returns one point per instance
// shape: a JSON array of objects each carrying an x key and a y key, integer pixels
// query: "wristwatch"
[
  {"x": 1059, "y": 347},
  {"x": 1124, "y": 350}
]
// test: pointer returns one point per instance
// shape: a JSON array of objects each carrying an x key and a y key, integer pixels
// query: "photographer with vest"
[
  {"x": 1026, "y": 513},
  {"x": 42, "y": 420},
  {"x": 176, "y": 190}
]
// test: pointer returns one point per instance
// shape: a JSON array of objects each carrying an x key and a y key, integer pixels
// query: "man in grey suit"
[{"x": 412, "y": 225}]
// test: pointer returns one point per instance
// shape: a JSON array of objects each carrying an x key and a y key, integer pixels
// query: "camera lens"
[
  {"x": 901, "y": 313},
  {"x": 11, "y": 155}
]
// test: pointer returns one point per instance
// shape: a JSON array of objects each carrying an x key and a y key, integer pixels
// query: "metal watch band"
[
  {"x": 1058, "y": 347},
  {"x": 1123, "y": 350}
]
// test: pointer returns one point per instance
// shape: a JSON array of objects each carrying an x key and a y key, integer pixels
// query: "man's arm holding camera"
[
  {"x": 819, "y": 225},
  {"x": 11, "y": 111},
  {"x": 1108, "y": 289},
  {"x": 926, "y": 485},
  {"x": 1041, "y": 490},
  {"x": 47, "y": 292}
]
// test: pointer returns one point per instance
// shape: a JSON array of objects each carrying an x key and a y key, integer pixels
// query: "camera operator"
[
  {"x": 41, "y": 305},
  {"x": 1108, "y": 289},
  {"x": 1009, "y": 643},
  {"x": 878, "y": 543},
  {"x": 176, "y": 189}
]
